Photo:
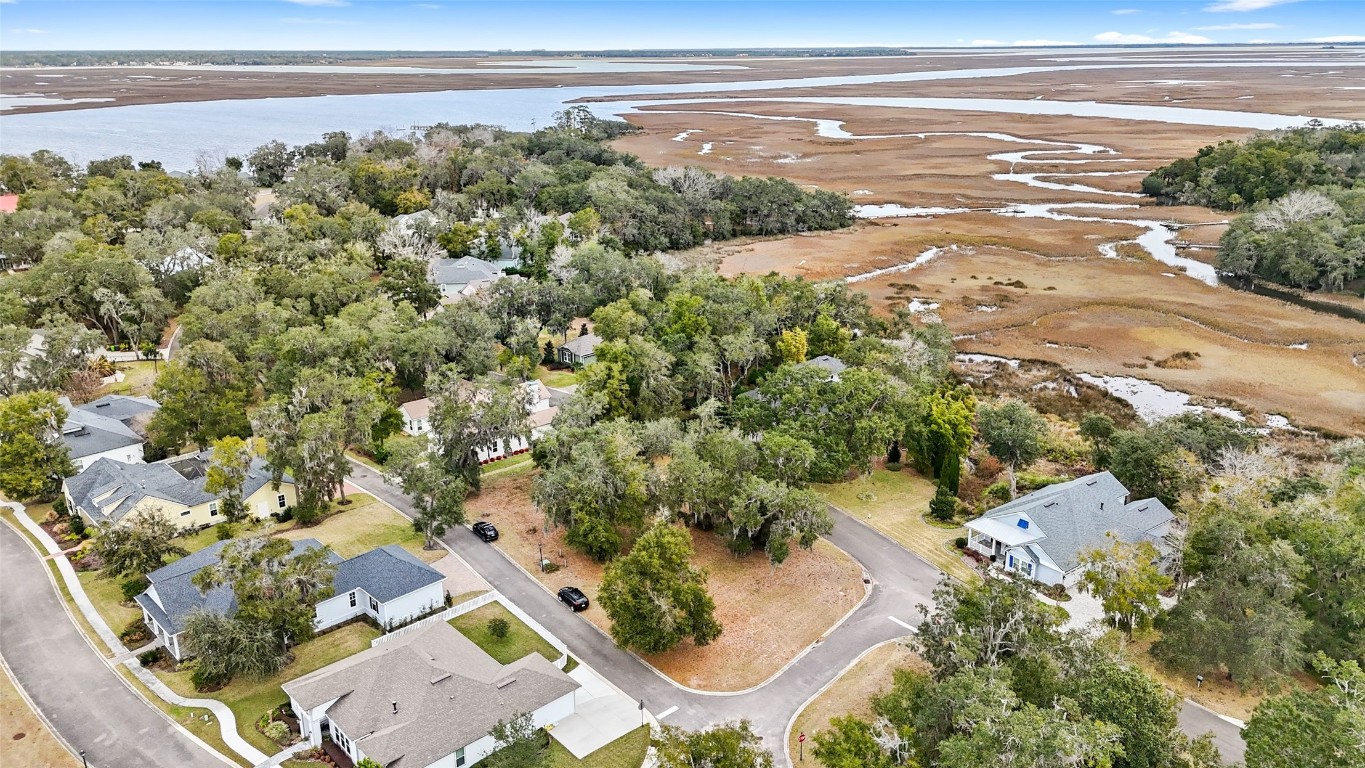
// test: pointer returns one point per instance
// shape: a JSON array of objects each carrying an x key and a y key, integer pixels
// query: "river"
[{"x": 179, "y": 134}]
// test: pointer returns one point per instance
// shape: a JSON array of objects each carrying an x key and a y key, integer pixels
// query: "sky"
[{"x": 573, "y": 25}]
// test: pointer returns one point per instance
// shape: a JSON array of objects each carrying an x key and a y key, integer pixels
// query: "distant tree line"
[{"x": 1303, "y": 193}]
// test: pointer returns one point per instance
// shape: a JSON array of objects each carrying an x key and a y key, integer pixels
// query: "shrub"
[
  {"x": 276, "y": 731},
  {"x": 998, "y": 492},
  {"x": 133, "y": 587},
  {"x": 77, "y": 524},
  {"x": 498, "y": 627},
  {"x": 205, "y": 679},
  {"x": 135, "y": 632},
  {"x": 150, "y": 657},
  {"x": 989, "y": 468},
  {"x": 59, "y": 506},
  {"x": 960, "y": 542},
  {"x": 1032, "y": 481},
  {"x": 61, "y": 529},
  {"x": 224, "y": 531},
  {"x": 284, "y": 515},
  {"x": 944, "y": 505},
  {"x": 893, "y": 466},
  {"x": 549, "y": 566}
]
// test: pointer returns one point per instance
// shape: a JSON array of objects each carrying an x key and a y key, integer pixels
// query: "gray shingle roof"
[
  {"x": 88, "y": 434},
  {"x": 179, "y": 598},
  {"x": 121, "y": 407},
  {"x": 833, "y": 365},
  {"x": 448, "y": 691},
  {"x": 178, "y": 481},
  {"x": 582, "y": 345},
  {"x": 462, "y": 271},
  {"x": 385, "y": 573},
  {"x": 1078, "y": 515}
]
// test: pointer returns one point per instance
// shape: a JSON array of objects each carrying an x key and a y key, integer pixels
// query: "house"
[
  {"x": 829, "y": 366},
  {"x": 579, "y": 351},
  {"x": 458, "y": 278},
  {"x": 539, "y": 413},
  {"x": 427, "y": 699},
  {"x": 416, "y": 416},
  {"x": 108, "y": 492},
  {"x": 171, "y": 596},
  {"x": 107, "y": 428},
  {"x": 1043, "y": 535},
  {"x": 387, "y": 584}
]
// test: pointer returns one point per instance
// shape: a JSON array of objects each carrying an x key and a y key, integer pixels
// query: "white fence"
[{"x": 479, "y": 602}]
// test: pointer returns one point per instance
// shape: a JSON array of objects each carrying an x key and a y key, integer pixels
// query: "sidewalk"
[{"x": 227, "y": 722}]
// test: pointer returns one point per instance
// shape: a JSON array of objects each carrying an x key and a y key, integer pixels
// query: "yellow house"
[{"x": 109, "y": 492}]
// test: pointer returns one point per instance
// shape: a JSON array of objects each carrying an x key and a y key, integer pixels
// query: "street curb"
[
  {"x": 42, "y": 718},
  {"x": 109, "y": 662},
  {"x": 787, "y": 733}
]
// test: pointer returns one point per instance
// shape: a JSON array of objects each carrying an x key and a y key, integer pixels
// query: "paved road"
[
  {"x": 76, "y": 691},
  {"x": 900, "y": 581}
]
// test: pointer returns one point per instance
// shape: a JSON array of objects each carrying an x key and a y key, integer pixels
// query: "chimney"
[{"x": 395, "y": 707}]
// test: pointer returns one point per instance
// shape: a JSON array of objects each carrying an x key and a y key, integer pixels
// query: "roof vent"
[
  {"x": 505, "y": 683},
  {"x": 1050, "y": 504},
  {"x": 1091, "y": 482},
  {"x": 1022, "y": 523},
  {"x": 395, "y": 707},
  {"x": 439, "y": 678},
  {"x": 103, "y": 405}
]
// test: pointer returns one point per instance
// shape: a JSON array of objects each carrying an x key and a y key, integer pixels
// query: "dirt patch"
[
  {"x": 769, "y": 614},
  {"x": 850, "y": 694},
  {"x": 27, "y": 741}
]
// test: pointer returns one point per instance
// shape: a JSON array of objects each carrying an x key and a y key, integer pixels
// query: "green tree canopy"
[{"x": 655, "y": 598}]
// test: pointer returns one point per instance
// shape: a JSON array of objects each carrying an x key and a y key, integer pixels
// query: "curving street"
[
  {"x": 86, "y": 702},
  {"x": 900, "y": 581}
]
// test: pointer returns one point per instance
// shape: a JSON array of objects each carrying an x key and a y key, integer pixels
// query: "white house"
[
  {"x": 539, "y": 413},
  {"x": 1043, "y": 535},
  {"x": 427, "y": 699},
  {"x": 386, "y": 584},
  {"x": 107, "y": 428}
]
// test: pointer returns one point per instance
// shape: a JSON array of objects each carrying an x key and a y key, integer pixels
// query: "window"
[
  {"x": 353, "y": 598},
  {"x": 374, "y": 605},
  {"x": 213, "y": 509},
  {"x": 281, "y": 501},
  {"x": 184, "y": 512},
  {"x": 459, "y": 757}
]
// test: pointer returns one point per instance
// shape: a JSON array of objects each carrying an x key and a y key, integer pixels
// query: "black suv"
[
  {"x": 485, "y": 530},
  {"x": 574, "y": 598}
]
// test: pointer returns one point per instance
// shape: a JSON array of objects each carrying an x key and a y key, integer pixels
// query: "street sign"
[{"x": 801, "y": 739}]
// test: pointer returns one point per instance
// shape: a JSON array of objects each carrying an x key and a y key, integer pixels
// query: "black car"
[
  {"x": 574, "y": 598},
  {"x": 485, "y": 531}
]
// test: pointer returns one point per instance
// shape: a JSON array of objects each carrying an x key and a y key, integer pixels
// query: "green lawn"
[
  {"x": 896, "y": 503},
  {"x": 193, "y": 542},
  {"x": 563, "y": 377},
  {"x": 251, "y": 698},
  {"x": 362, "y": 526},
  {"x": 107, "y": 596},
  {"x": 514, "y": 463},
  {"x": 626, "y": 752},
  {"x": 138, "y": 379},
  {"x": 191, "y": 718},
  {"x": 520, "y": 641}
]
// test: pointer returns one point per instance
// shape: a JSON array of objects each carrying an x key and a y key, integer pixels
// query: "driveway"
[
  {"x": 900, "y": 581},
  {"x": 84, "y": 700}
]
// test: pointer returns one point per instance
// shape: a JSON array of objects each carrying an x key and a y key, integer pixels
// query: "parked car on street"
[
  {"x": 574, "y": 598},
  {"x": 485, "y": 530}
]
